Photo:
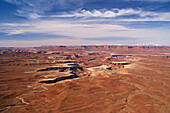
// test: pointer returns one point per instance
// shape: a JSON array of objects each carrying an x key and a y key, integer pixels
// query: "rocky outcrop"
[
  {"x": 63, "y": 69},
  {"x": 61, "y": 48},
  {"x": 60, "y": 79}
]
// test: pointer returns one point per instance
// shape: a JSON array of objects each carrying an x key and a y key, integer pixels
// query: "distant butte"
[
  {"x": 61, "y": 48},
  {"x": 125, "y": 47}
]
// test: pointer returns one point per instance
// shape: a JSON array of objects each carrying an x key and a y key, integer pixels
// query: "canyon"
[{"x": 85, "y": 79}]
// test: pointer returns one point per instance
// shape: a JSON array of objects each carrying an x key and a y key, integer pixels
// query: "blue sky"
[{"x": 28, "y": 23}]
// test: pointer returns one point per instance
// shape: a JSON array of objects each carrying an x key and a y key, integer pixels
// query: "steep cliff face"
[
  {"x": 61, "y": 48},
  {"x": 83, "y": 47}
]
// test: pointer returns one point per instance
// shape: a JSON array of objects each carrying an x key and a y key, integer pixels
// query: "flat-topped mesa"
[
  {"x": 121, "y": 47},
  {"x": 120, "y": 55},
  {"x": 60, "y": 57},
  {"x": 61, "y": 48},
  {"x": 114, "y": 65},
  {"x": 120, "y": 63},
  {"x": 64, "y": 68},
  {"x": 106, "y": 47},
  {"x": 125, "y": 47},
  {"x": 93, "y": 47},
  {"x": 60, "y": 79},
  {"x": 83, "y": 47}
]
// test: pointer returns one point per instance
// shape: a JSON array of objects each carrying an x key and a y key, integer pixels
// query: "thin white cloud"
[
  {"x": 29, "y": 15},
  {"x": 81, "y": 31},
  {"x": 143, "y": 15},
  {"x": 17, "y": 2},
  {"x": 63, "y": 28},
  {"x": 33, "y": 9},
  {"x": 100, "y": 13}
]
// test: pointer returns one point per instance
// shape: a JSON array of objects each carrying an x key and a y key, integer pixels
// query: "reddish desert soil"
[{"x": 143, "y": 87}]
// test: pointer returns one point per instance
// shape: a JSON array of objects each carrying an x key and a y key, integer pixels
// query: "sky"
[{"x": 29, "y": 23}]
